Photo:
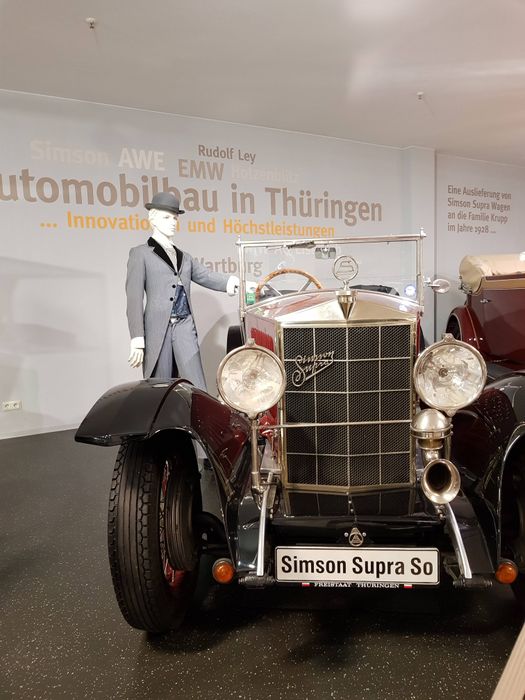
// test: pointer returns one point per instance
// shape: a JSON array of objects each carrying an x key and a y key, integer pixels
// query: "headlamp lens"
[
  {"x": 251, "y": 379},
  {"x": 449, "y": 375}
]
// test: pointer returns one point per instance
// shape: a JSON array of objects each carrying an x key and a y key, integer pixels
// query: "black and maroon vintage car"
[
  {"x": 493, "y": 316},
  {"x": 344, "y": 454}
]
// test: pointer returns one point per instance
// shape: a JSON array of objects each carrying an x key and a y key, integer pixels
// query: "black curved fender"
[
  {"x": 139, "y": 410},
  {"x": 513, "y": 386},
  {"x": 506, "y": 423},
  {"x": 485, "y": 435}
]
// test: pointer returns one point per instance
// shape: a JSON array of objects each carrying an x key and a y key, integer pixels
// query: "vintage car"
[
  {"x": 492, "y": 318},
  {"x": 343, "y": 453}
]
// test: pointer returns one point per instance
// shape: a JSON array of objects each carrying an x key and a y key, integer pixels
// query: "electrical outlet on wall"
[{"x": 15, "y": 405}]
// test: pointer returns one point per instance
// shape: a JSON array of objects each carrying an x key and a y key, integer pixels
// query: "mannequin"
[{"x": 163, "y": 334}]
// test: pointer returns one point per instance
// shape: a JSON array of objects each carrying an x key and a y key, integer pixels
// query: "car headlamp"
[
  {"x": 449, "y": 375},
  {"x": 251, "y": 379}
]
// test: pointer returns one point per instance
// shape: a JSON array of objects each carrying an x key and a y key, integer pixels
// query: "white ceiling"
[{"x": 346, "y": 68}]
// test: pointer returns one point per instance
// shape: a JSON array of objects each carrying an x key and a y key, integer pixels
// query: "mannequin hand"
[
  {"x": 136, "y": 352},
  {"x": 136, "y": 357},
  {"x": 234, "y": 283}
]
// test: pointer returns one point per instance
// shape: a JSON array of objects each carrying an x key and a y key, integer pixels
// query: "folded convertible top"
[{"x": 474, "y": 268}]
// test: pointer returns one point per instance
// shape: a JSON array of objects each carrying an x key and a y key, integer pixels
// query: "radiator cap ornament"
[{"x": 345, "y": 269}]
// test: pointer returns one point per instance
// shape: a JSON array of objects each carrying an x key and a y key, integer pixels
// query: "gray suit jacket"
[{"x": 150, "y": 271}]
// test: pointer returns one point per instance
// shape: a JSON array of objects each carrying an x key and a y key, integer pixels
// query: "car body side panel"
[
  {"x": 499, "y": 307},
  {"x": 492, "y": 319}
]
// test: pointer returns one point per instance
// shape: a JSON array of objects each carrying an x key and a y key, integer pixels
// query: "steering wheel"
[{"x": 310, "y": 279}]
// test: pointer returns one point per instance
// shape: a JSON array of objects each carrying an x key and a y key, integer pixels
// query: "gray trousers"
[{"x": 180, "y": 344}]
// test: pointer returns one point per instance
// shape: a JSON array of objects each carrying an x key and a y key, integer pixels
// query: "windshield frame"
[{"x": 243, "y": 245}]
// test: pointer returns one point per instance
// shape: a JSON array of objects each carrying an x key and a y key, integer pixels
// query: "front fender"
[
  {"x": 513, "y": 386},
  {"x": 482, "y": 430},
  {"x": 486, "y": 436},
  {"x": 139, "y": 410},
  {"x": 480, "y": 433},
  {"x": 513, "y": 466}
]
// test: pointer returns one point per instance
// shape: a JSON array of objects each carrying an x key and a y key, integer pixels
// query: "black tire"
[
  {"x": 153, "y": 543},
  {"x": 453, "y": 328},
  {"x": 234, "y": 339}
]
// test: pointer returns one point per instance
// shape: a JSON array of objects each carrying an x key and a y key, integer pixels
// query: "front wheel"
[{"x": 153, "y": 541}]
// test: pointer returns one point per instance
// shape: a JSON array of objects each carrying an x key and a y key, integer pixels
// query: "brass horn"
[{"x": 440, "y": 481}]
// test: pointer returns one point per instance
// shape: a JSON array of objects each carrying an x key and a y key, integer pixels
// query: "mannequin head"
[
  {"x": 163, "y": 222},
  {"x": 164, "y": 210}
]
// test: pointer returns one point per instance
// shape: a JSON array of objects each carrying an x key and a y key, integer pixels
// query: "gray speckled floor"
[{"x": 62, "y": 634}]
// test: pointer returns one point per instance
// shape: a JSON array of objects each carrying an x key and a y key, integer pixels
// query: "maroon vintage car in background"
[{"x": 492, "y": 318}]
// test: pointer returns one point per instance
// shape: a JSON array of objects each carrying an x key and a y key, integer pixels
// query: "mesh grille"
[{"x": 367, "y": 378}]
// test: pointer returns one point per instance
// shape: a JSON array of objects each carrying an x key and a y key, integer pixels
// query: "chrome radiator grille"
[{"x": 366, "y": 379}]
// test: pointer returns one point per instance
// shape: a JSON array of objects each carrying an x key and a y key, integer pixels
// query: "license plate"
[{"x": 364, "y": 565}]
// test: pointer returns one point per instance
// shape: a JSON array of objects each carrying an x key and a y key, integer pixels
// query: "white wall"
[{"x": 63, "y": 332}]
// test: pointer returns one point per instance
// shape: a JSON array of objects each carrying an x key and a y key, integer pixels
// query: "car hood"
[{"x": 334, "y": 306}]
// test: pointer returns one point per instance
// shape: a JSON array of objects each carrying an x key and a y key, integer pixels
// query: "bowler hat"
[{"x": 167, "y": 201}]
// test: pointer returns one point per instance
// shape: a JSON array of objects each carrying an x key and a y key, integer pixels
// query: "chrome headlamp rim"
[
  {"x": 448, "y": 339},
  {"x": 251, "y": 345}
]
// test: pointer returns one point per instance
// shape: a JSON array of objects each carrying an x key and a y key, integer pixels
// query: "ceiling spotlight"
[
  {"x": 91, "y": 21},
  {"x": 420, "y": 95}
]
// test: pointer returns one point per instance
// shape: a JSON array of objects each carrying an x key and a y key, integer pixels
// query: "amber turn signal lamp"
[
  {"x": 507, "y": 572},
  {"x": 223, "y": 571}
]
